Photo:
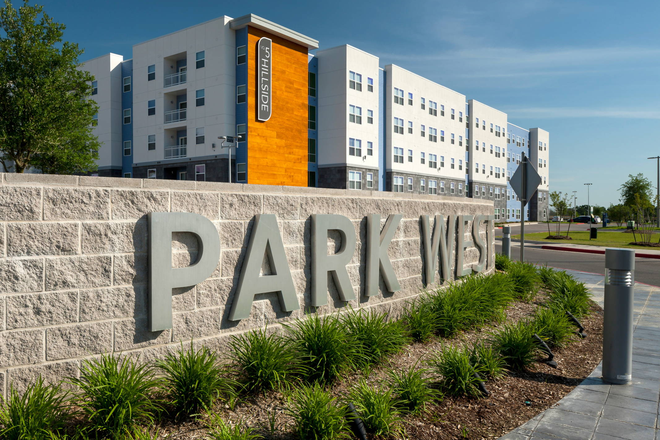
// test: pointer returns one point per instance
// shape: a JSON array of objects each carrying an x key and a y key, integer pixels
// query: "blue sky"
[{"x": 586, "y": 71}]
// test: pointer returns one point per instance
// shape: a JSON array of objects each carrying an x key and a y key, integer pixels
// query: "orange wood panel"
[{"x": 277, "y": 148}]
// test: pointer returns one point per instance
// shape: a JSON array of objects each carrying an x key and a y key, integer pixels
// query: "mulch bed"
[
  {"x": 637, "y": 243},
  {"x": 558, "y": 237},
  {"x": 513, "y": 399}
]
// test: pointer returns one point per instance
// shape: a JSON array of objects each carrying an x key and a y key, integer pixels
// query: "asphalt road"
[
  {"x": 646, "y": 270},
  {"x": 543, "y": 227}
]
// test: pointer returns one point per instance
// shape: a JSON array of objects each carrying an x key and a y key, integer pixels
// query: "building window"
[
  {"x": 460, "y": 188},
  {"x": 127, "y": 84},
  {"x": 460, "y": 141},
  {"x": 241, "y": 131},
  {"x": 423, "y": 103},
  {"x": 476, "y": 145},
  {"x": 151, "y": 142},
  {"x": 241, "y": 55},
  {"x": 452, "y": 166},
  {"x": 199, "y": 98},
  {"x": 398, "y": 155},
  {"x": 95, "y": 87},
  {"x": 241, "y": 172},
  {"x": 127, "y": 148},
  {"x": 355, "y": 147},
  {"x": 151, "y": 72},
  {"x": 490, "y": 192},
  {"x": 128, "y": 175},
  {"x": 422, "y": 185},
  {"x": 460, "y": 164},
  {"x": 410, "y": 127},
  {"x": 442, "y": 110},
  {"x": 423, "y": 130},
  {"x": 433, "y": 160},
  {"x": 370, "y": 84},
  {"x": 491, "y": 170},
  {"x": 241, "y": 95},
  {"x": 370, "y": 180},
  {"x": 397, "y": 186},
  {"x": 200, "y": 172},
  {"x": 452, "y": 138},
  {"x": 311, "y": 123},
  {"x": 410, "y": 183},
  {"x": 433, "y": 108},
  {"x": 452, "y": 188},
  {"x": 355, "y": 114},
  {"x": 311, "y": 150},
  {"x": 151, "y": 173},
  {"x": 491, "y": 127},
  {"x": 398, "y": 96},
  {"x": 151, "y": 107},
  {"x": 410, "y": 155},
  {"x": 95, "y": 120},
  {"x": 370, "y": 116},
  {"x": 453, "y": 116},
  {"x": 370, "y": 148},
  {"x": 491, "y": 148},
  {"x": 311, "y": 179},
  {"x": 422, "y": 158},
  {"x": 398, "y": 125},
  {"x": 442, "y": 161},
  {"x": 460, "y": 116},
  {"x": 199, "y": 135},
  {"x": 200, "y": 59},
  {"x": 442, "y": 135},
  {"x": 354, "y": 81},
  {"x": 312, "y": 84},
  {"x": 476, "y": 167},
  {"x": 127, "y": 116},
  {"x": 410, "y": 98},
  {"x": 433, "y": 134},
  {"x": 433, "y": 187}
]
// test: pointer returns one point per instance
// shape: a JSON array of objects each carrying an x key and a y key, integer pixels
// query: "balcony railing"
[
  {"x": 176, "y": 151},
  {"x": 175, "y": 115},
  {"x": 175, "y": 79}
]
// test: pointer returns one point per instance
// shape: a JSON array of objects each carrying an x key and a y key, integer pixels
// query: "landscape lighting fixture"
[
  {"x": 577, "y": 323},
  {"x": 551, "y": 357},
  {"x": 356, "y": 423}
]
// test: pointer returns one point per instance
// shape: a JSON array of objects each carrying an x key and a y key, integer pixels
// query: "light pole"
[
  {"x": 657, "y": 188},
  {"x": 589, "y": 208},
  {"x": 230, "y": 140},
  {"x": 574, "y": 204}
]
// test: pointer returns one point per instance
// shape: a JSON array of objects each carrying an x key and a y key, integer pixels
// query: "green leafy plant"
[
  {"x": 324, "y": 345},
  {"x": 420, "y": 319},
  {"x": 266, "y": 361},
  {"x": 553, "y": 327},
  {"x": 221, "y": 430},
  {"x": 489, "y": 362},
  {"x": 568, "y": 294},
  {"x": 373, "y": 335},
  {"x": 193, "y": 380},
  {"x": 455, "y": 372},
  {"x": 525, "y": 279},
  {"x": 502, "y": 262},
  {"x": 143, "y": 434},
  {"x": 39, "y": 413},
  {"x": 546, "y": 274},
  {"x": 317, "y": 414},
  {"x": 116, "y": 394},
  {"x": 377, "y": 409},
  {"x": 412, "y": 389},
  {"x": 516, "y": 344}
]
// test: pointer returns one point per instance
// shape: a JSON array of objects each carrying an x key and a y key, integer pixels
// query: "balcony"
[
  {"x": 175, "y": 116},
  {"x": 176, "y": 151},
  {"x": 175, "y": 79}
]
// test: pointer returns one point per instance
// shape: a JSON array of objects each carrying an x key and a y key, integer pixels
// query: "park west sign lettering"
[{"x": 266, "y": 240}]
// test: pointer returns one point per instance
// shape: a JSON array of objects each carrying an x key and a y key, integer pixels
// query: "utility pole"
[
  {"x": 574, "y": 204},
  {"x": 657, "y": 188},
  {"x": 589, "y": 208}
]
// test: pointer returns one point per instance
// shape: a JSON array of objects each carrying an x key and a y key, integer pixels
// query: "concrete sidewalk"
[{"x": 596, "y": 410}]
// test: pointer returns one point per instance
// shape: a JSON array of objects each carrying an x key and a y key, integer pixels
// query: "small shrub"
[
  {"x": 456, "y": 373},
  {"x": 488, "y": 361},
  {"x": 376, "y": 408},
  {"x": 265, "y": 362},
  {"x": 324, "y": 346},
  {"x": 525, "y": 279},
  {"x": 317, "y": 414},
  {"x": 553, "y": 327},
  {"x": 546, "y": 274},
  {"x": 221, "y": 430},
  {"x": 515, "y": 343},
  {"x": 39, "y": 413},
  {"x": 568, "y": 294},
  {"x": 420, "y": 320},
  {"x": 193, "y": 380},
  {"x": 412, "y": 389},
  {"x": 373, "y": 336},
  {"x": 116, "y": 394},
  {"x": 502, "y": 262}
]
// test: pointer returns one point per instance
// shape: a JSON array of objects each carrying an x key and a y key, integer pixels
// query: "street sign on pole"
[{"x": 524, "y": 182}]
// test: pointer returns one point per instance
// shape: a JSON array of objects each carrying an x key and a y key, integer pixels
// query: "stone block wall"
[{"x": 74, "y": 274}]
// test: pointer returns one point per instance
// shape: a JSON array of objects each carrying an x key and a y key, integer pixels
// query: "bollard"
[
  {"x": 618, "y": 319},
  {"x": 506, "y": 241}
]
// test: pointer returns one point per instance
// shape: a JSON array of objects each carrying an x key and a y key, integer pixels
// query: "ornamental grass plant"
[
  {"x": 38, "y": 413},
  {"x": 377, "y": 409},
  {"x": 373, "y": 336},
  {"x": 317, "y": 415},
  {"x": 116, "y": 394},
  {"x": 525, "y": 279},
  {"x": 502, "y": 262},
  {"x": 221, "y": 430},
  {"x": 266, "y": 361},
  {"x": 489, "y": 362},
  {"x": 420, "y": 319},
  {"x": 515, "y": 343},
  {"x": 568, "y": 294},
  {"x": 455, "y": 371},
  {"x": 412, "y": 389},
  {"x": 193, "y": 380},
  {"x": 553, "y": 327}
]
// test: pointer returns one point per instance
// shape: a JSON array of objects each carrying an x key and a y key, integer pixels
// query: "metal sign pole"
[{"x": 523, "y": 202}]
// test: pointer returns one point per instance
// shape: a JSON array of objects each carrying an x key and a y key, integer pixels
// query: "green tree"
[
  {"x": 561, "y": 204},
  {"x": 46, "y": 115},
  {"x": 637, "y": 192}
]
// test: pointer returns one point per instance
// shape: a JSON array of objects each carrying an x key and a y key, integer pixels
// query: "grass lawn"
[{"x": 605, "y": 238}]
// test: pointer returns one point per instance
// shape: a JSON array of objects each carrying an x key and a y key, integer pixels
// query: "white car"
[{"x": 557, "y": 219}]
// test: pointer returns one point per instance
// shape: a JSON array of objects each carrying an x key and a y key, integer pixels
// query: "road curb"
[{"x": 595, "y": 251}]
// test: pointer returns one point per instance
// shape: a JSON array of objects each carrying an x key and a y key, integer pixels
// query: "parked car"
[
  {"x": 581, "y": 219},
  {"x": 557, "y": 219},
  {"x": 597, "y": 219}
]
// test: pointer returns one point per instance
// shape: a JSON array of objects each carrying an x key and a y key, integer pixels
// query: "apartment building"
[{"x": 331, "y": 118}]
